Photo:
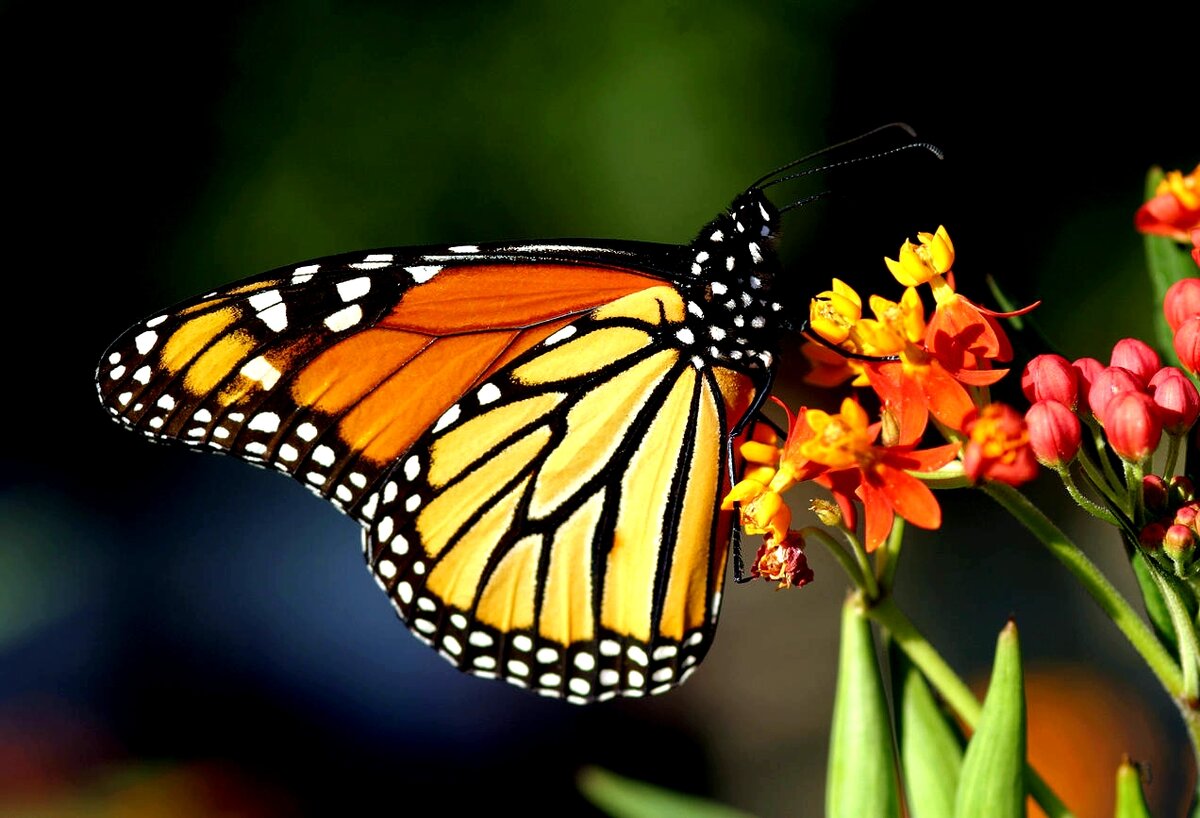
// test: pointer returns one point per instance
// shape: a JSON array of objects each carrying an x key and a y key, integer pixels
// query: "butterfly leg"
[{"x": 753, "y": 415}]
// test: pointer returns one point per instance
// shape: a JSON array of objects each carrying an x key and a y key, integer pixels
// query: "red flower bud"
[
  {"x": 1051, "y": 377},
  {"x": 1181, "y": 489},
  {"x": 1136, "y": 356},
  {"x": 1054, "y": 433},
  {"x": 1106, "y": 385},
  {"x": 1088, "y": 369},
  {"x": 1132, "y": 425},
  {"x": 1187, "y": 343},
  {"x": 1186, "y": 515},
  {"x": 1152, "y": 535},
  {"x": 1182, "y": 302},
  {"x": 1154, "y": 493},
  {"x": 1177, "y": 400}
]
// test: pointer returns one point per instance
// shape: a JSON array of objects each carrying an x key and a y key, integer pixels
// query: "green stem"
[
  {"x": 1172, "y": 455},
  {"x": 1102, "y": 454},
  {"x": 953, "y": 690},
  {"x": 1185, "y": 630},
  {"x": 1099, "y": 480},
  {"x": 1095, "y": 509},
  {"x": 847, "y": 562},
  {"x": 1106, "y": 596},
  {"x": 890, "y": 555},
  {"x": 870, "y": 586},
  {"x": 1133, "y": 482}
]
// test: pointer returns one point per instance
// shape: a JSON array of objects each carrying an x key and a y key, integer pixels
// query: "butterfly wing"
[
  {"x": 331, "y": 369},
  {"x": 559, "y": 527}
]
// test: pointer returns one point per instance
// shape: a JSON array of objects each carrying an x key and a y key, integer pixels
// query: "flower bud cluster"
[
  {"x": 1135, "y": 399},
  {"x": 1181, "y": 307},
  {"x": 1172, "y": 534}
]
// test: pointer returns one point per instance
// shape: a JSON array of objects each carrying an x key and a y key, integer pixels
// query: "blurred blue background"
[{"x": 184, "y": 635}]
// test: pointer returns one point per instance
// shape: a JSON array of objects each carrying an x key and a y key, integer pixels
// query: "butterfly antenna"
[
  {"x": 829, "y": 149},
  {"x": 934, "y": 149}
]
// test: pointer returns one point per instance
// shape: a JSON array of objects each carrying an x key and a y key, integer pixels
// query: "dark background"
[{"x": 190, "y": 636}]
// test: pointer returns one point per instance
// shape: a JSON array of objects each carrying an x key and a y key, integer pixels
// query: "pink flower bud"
[
  {"x": 1152, "y": 535},
  {"x": 1177, "y": 400},
  {"x": 1186, "y": 516},
  {"x": 1054, "y": 432},
  {"x": 1154, "y": 493},
  {"x": 1051, "y": 377},
  {"x": 1187, "y": 343},
  {"x": 1132, "y": 425},
  {"x": 1182, "y": 302},
  {"x": 1136, "y": 356},
  {"x": 1088, "y": 369},
  {"x": 1106, "y": 385},
  {"x": 1178, "y": 542}
]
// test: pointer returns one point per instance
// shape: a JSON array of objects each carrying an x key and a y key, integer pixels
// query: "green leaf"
[
  {"x": 992, "y": 781},
  {"x": 1156, "y": 608},
  {"x": 861, "y": 779},
  {"x": 1167, "y": 261},
  {"x": 626, "y": 798},
  {"x": 1131, "y": 803},
  {"x": 930, "y": 744}
]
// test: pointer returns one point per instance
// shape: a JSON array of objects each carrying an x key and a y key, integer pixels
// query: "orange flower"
[
  {"x": 1174, "y": 210},
  {"x": 998, "y": 446},
  {"x": 852, "y": 466}
]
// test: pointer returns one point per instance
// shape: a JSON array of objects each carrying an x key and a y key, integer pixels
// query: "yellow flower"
[
  {"x": 839, "y": 441},
  {"x": 920, "y": 263}
]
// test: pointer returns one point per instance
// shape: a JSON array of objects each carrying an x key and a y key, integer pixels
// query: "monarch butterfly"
[{"x": 535, "y": 437}]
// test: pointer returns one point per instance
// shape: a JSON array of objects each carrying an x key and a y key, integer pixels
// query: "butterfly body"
[{"x": 535, "y": 437}]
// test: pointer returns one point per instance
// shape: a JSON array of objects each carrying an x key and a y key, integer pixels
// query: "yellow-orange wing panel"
[{"x": 559, "y": 527}]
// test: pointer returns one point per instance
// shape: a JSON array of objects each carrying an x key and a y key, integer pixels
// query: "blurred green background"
[{"x": 184, "y": 635}]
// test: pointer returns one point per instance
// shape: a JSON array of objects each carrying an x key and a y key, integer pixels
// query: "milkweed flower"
[
  {"x": 1174, "y": 210},
  {"x": 1107, "y": 384},
  {"x": 842, "y": 447},
  {"x": 1177, "y": 400},
  {"x": 998, "y": 447},
  {"x": 1187, "y": 343},
  {"x": 1136, "y": 356}
]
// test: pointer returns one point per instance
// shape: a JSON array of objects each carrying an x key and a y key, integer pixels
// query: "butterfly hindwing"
[{"x": 560, "y": 526}]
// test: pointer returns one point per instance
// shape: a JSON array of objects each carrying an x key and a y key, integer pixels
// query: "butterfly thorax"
[{"x": 731, "y": 316}]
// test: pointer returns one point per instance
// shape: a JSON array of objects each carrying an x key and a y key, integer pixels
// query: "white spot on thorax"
[
  {"x": 718, "y": 288},
  {"x": 716, "y": 333},
  {"x": 755, "y": 253},
  {"x": 686, "y": 336},
  {"x": 717, "y": 236},
  {"x": 729, "y": 262}
]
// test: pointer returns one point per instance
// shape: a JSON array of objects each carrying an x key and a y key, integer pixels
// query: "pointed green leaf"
[
  {"x": 992, "y": 782},
  {"x": 1131, "y": 803},
  {"x": 930, "y": 745},
  {"x": 626, "y": 798},
  {"x": 861, "y": 779}
]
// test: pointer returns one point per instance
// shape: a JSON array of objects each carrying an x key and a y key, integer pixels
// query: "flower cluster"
[
  {"x": 1172, "y": 531},
  {"x": 915, "y": 369}
]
